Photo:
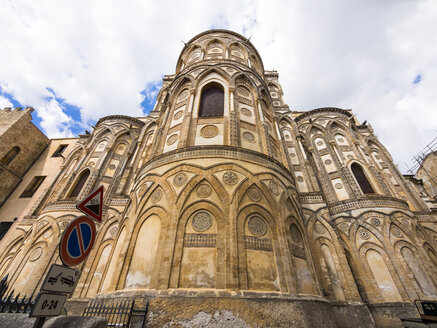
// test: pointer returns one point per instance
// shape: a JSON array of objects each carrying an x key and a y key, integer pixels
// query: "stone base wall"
[
  {"x": 388, "y": 315},
  {"x": 203, "y": 309}
]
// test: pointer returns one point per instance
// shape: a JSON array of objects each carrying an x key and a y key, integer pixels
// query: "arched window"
[
  {"x": 359, "y": 174},
  {"x": 212, "y": 101},
  {"x": 80, "y": 183},
  {"x": 10, "y": 155}
]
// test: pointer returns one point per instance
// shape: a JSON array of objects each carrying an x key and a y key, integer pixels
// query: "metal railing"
[
  {"x": 13, "y": 304},
  {"x": 120, "y": 314}
]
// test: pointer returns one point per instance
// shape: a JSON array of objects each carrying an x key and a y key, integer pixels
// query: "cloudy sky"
[{"x": 76, "y": 61}]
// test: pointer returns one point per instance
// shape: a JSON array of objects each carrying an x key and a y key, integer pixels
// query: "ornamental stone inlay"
[
  {"x": 112, "y": 167},
  {"x": 364, "y": 234},
  {"x": 328, "y": 162},
  {"x": 376, "y": 222},
  {"x": 319, "y": 143},
  {"x": 299, "y": 178},
  {"x": 340, "y": 140},
  {"x": 257, "y": 226},
  {"x": 36, "y": 254},
  {"x": 319, "y": 228},
  {"x": 230, "y": 178},
  {"x": 274, "y": 187},
  {"x": 254, "y": 194},
  {"x": 209, "y": 131},
  {"x": 246, "y": 112},
  {"x": 183, "y": 95},
  {"x": 172, "y": 139},
  {"x": 113, "y": 231},
  {"x": 343, "y": 226},
  {"x": 180, "y": 179},
  {"x": 156, "y": 196},
  {"x": 338, "y": 185},
  {"x": 203, "y": 190},
  {"x": 243, "y": 92},
  {"x": 64, "y": 224},
  {"x": 396, "y": 232},
  {"x": 178, "y": 115},
  {"x": 201, "y": 221},
  {"x": 249, "y": 137}
]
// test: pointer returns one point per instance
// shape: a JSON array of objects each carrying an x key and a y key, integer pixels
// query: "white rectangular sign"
[
  {"x": 48, "y": 305},
  {"x": 61, "y": 279}
]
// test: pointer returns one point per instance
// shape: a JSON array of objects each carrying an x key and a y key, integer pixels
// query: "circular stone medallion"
[
  {"x": 35, "y": 255},
  {"x": 341, "y": 140},
  {"x": 249, "y": 137},
  {"x": 230, "y": 178},
  {"x": 338, "y": 185},
  {"x": 243, "y": 92},
  {"x": 274, "y": 187},
  {"x": 376, "y": 222},
  {"x": 343, "y": 226},
  {"x": 257, "y": 226},
  {"x": 172, "y": 139},
  {"x": 209, "y": 131},
  {"x": 178, "y": 115},
  {"x": 201, "y": 221},
  {"x": 179, "y": 179},
  {"x": 203, "y": 190},
  {"x": 254, "y": 194},
  {"x": 364, "y": 234},
  {"x": 299, "y": 179},
  {"x": 246, "y": 112},
  {"x": 156, "y": 196},
  {"x": 396, "y": 232},
  {"x": 113, "y": 231},
  {"x": 328, "y": 162}
]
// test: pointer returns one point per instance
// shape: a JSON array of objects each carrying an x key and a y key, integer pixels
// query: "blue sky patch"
[
  {"x": 417, "y": 79},
  {"x": 149, "y": 94}
]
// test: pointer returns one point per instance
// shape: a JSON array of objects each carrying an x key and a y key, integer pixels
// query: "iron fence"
[
  {"x": 120, "y": 314},
  {"x": 13, "y": 304}
]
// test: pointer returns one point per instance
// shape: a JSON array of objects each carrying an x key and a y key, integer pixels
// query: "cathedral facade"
[{"x": 223, "y": 202}]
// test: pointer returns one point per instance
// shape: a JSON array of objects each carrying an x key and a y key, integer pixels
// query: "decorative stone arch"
[
  {"x": 360, "y": 222},
  {"x": 431, "y": 254},
  {"x": 179, "y": 259},
  {"x": 243, "y": 215},
  {"x": 211, "y": 45},
  {"x": 415, "y": 264},
  {"x": 243, "y": 51},
  {"x": 144, "y": 249},
  {"x": 389, "y": 273},
  {"x": 80, "y": 177},
  {"x": 189, "y": 58},
  {"x": 355, "y": 167},
  {"x": 92, "y": 277},
  {"x": 141, "y": 206},
  {"x": 299, "y": 258},
  {"x": 9, "y": 254}
]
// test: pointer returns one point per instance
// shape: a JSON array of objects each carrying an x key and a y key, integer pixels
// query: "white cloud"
[
  {"x": 4, "y": 102},
  {"x": 100, "y": 55}
]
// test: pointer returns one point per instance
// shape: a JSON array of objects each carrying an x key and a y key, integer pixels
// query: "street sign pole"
[{"x": 76, "y": 244}]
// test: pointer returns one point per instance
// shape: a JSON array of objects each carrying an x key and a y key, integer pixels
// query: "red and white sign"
[
  {"x": 77, "y": 241},
  {"x": 93, "y": 204}
]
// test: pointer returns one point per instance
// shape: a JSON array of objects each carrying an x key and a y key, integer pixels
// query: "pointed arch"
[
  {"x": 79, "y": 184},
  {"x": 212, "y": 100},
  {"x": 361, "y": 178}
]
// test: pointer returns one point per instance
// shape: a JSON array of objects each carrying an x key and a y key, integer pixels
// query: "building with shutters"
[{"x": 224, "y": 206}]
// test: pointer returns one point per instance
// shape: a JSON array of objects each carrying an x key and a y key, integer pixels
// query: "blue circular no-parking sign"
[{"x": 77, "y": 241}]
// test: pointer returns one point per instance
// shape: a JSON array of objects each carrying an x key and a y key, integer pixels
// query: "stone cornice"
[
  {"x": 121, "y": 117},
  {"x": 322, "y": 110}
]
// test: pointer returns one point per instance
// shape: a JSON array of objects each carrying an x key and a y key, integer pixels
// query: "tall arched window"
[
  {"x": 362, "y": 180},
  {"x": 212, "y": 101},
  {"x": 10, "y": 155},
  {"x": 80, "y": 183}
]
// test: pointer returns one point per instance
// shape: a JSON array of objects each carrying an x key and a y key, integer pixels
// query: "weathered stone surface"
[
  {"x": 388, "y": 315},
  {"x": 10, "y": 320}
]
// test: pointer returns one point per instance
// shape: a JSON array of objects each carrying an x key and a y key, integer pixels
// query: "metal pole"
[{"x": 39, "y": 322}]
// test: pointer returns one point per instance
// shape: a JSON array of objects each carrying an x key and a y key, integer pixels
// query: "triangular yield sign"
[{"x": 92, "y": 205}]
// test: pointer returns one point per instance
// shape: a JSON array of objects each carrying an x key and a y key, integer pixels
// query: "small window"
[
  {"x": 362, "y": 180},
  {"x": 10, "y": 155},
  {"x": 212, "y": 101},
  {"x": 80, "y": 183},
  {"x": 4, "y": 227},
  {"x": 32, "y": 187},
  {"x": 59, "y": 151}
]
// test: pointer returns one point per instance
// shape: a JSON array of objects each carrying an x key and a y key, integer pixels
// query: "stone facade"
[{"x": 240, "y": 213}]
